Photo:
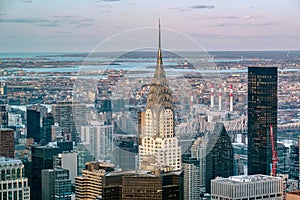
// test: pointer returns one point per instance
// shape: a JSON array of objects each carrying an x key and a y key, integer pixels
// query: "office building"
[
  {"x": 13, "y": 184},
  {"x": 158, "y": 147},
  {"x": 64, "y": 145},
  {"x": 198, "y": 151},
  {"x": 98, "y": 139},
  {"x": 219, "y": 157},
  {"x": 67, "y": 160},
  {"x": 47, "y": 123},
  {"x": 262, "y": 112},
  {"x": 7, "y": 147},
  {"x": 191, "y": 177},
  {"x": 56, "y": 184},
  {"x": 70, "y": 118},
  {"x": 89, "y": 185},
  {"x": 126, "y": 152},
  {"x": 3, "y": 116},
  {"x": 34, "y": 125},
  {"x": 42, "y": 158},
  {"x": 247, "y": 187},
  {"x": 143, "y": 185}
]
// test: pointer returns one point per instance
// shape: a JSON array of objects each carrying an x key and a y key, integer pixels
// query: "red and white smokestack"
[
  {"x": 220, "y": 97},
  {"x": 212, "y": 96},
  {"x": 231, "y": 98}
]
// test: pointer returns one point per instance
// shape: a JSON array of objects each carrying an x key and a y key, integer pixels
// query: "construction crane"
[{"x": 274, "y": 152}]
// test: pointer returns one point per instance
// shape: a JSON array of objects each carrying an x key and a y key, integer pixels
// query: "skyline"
[{"x": 79, "y": 26}]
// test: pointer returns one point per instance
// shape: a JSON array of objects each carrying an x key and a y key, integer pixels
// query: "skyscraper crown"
[{"x": 160, "y": 93}]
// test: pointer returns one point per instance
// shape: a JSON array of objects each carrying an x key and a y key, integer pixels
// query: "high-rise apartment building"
[
  {"x": 42, "y": 158},
  {"x": 56, "y": 184},
  {"x": 89, "y": 185},
  {"x": 247, "y": 187},
  {"x": 13, "y": 183},
  {"x": 98, "y": 139},
  {"x": 158, "y": 148},
  {"x": 7, "y": 147},
  {"x": 262, "y": 112}
]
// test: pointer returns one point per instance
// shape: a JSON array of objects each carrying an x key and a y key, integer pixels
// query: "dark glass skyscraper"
[
  {"x": 262, "y": 112},
  {"x": 34, "y": 125}
]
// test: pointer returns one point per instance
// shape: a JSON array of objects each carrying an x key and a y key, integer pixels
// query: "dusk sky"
[{"x": 80, "y": 25}]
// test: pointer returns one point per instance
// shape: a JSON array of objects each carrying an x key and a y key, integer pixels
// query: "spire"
[
  {"x": 159, "y": 56},
  {"x": 159, "y": 75}
]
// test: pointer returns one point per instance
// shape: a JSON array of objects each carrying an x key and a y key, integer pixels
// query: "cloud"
[
  {"x": 202, "y": 7},
  {"x": 24, "y": 20},
  {"x": 251, "y": 17},
  {"x": 216, "y": 17},
  {"x": 180, "y": 9},
  {"x": 243, "y": 25},
  {"x": 56, "y": 21}
]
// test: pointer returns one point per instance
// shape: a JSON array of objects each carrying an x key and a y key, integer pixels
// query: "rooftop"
[{"x": 246, "y": 178}]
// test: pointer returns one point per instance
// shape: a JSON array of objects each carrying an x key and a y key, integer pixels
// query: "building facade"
[
  {"x": 7, "y": 147},
  {"x": 158, "y": 147},
  {"x": 143, "y": 185},
  {"x": 247, "y": 187},
  {"x": 3, "y": 116},
  {"x": 219, "y": 157},
  {"x": 191, "y": 177},
  {"x": 56, "y": 184},
  {"x": 262, "y": 112},
  {"x": 98, "y": 139},
  {"x": 89, "y": 185},
  {"x": 42, "y": 158},
  {"x": 69, "y": 161},
  {"x": 13, "y": 183}
]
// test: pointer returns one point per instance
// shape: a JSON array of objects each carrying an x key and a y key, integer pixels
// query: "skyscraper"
[
  {"x": 70, "y": 116},
  {"x": 7, "y": 147},
  {"x": 158, "y": 148},
  {"x": 42, "y": 158},
  {"x": 34, "y": 124},
  {"x": 46, "y": 130},
  {"x": 262, "y": 112},
  {"x": 98, "y": 139},
  {"x": 56, "y": 184},
  {"x": 219, "y": 158}
]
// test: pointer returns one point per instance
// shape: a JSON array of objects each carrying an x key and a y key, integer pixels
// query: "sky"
[{"x": 81, "y": 25}]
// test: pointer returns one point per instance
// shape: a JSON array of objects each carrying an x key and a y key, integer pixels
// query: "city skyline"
[{"x": 68, "y": 26}]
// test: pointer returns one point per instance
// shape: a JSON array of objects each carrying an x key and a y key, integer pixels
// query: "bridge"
[{"x": 199, "y": 126}]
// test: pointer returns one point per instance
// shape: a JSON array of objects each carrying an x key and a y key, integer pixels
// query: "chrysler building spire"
[{"x": 159, "y": 75}]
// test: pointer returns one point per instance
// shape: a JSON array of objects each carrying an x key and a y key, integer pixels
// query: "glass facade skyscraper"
[{"x": 262, "y": 112}]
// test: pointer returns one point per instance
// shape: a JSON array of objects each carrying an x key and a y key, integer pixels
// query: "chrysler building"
[{"x": 158, "y": 145}]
